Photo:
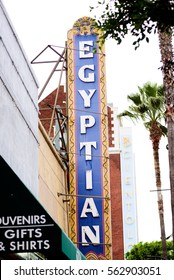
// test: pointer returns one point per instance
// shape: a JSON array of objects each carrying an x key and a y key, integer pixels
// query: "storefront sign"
[
  {"x": 24, "y": 233},
  {"x": 25, "y": 226}
]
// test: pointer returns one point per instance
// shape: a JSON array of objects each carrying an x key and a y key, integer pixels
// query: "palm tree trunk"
[
  {"x": 155, "y": 145},
  {"x": 165, "y": 43}
]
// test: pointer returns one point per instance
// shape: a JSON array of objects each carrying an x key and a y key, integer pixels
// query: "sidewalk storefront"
[{"x": 25, "y": 226}]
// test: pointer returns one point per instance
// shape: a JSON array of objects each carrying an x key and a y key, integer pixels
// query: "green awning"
[
  {"x": 70, "y": 250},
  {"x": 25, "y": 226}
]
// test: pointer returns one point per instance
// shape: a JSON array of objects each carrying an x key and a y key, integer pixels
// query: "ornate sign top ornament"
[{"x": 86, "y": 25}]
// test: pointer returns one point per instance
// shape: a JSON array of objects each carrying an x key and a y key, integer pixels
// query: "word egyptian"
[{"x": 86, "y": 74}]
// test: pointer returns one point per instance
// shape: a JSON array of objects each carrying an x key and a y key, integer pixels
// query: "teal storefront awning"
[{"x": 25, "y": 226}]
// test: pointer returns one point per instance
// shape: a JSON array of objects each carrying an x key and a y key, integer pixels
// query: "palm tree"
[
  {"x": 148, "y": 107},
  {"x": 166, "y": 50}
]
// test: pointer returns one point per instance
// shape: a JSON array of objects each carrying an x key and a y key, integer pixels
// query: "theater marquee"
[{"x": 90, "y": 225}]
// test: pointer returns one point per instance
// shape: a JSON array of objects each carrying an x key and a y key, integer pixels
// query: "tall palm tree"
[
  {"x": 166, "y": 50},
  {"x": 148, "y": 107}
]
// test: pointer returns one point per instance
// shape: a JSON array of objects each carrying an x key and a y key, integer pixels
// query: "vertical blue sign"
[{"x": 88, "y": 143}]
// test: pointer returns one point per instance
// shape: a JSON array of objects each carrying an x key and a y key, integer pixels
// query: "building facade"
[
  {"x": 18, "y": 107},
  {"x": 115, "y": 183}
]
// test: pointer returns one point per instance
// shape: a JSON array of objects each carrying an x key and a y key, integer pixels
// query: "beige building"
[{"x": 52, "y": 180}]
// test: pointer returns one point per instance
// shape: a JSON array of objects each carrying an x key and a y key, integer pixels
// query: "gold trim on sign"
[
  {"x": 87, "y": 26},
  {"x": 71, "y": 130}
]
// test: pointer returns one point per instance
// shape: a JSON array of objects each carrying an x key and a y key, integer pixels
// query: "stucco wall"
[
  {"x": 18, "y": 107},
  {"x": 52, "y": 180}
]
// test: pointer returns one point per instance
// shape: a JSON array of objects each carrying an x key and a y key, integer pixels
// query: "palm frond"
[
  {"x": 148, "y": 125},
  {"x": 150, "y": 89},
  {"x": 135, "y": 98},
  {"x": 143, "y": 108},
  {"x": 129, "y": 115},
  {"x": 156, "y": 102},
  {"x": 160, "y": 91},
  {"x": 126, "y": 114},
  {"x": 147, "y": 106},
  {"x": 163, "y": 129}
]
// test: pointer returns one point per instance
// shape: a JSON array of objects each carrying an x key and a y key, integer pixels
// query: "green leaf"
[{"x": 147, "y": 39}]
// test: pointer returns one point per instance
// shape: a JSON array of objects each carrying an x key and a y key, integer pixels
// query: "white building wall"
[{"x": 18, "y": 107}]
